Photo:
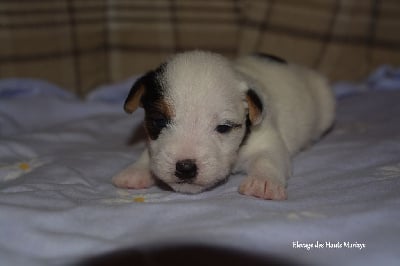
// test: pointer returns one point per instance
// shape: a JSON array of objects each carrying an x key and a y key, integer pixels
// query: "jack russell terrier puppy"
[{"x": 206, "y": 117}]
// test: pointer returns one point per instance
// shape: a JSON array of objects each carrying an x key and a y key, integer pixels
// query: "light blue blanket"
[{"x": 58, "y": 206}]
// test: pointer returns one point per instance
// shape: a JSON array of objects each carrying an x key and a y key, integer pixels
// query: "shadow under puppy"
[{"x": 206, "y": 117}]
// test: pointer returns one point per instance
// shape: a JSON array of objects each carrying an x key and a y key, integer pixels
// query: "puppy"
[{"x": 206, "y": 117}]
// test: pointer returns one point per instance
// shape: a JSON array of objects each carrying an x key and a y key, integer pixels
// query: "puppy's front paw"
[
  {"x": 263, "y": 188},
  {"x": 131, "y": 177}
]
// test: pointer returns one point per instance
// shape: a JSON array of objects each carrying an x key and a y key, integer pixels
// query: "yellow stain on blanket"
[
  {"x": 125, "y": 196},
  {"x": 139, "y": 199},
  {"x": 18, "y": 169},
  {"x": 24, "y": 166}
]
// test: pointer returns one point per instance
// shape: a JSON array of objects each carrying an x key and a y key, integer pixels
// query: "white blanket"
[{"x": 58, "y": 206}]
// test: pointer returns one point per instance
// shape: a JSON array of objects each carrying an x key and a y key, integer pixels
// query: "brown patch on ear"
[
  {"x": 255, "y": 107},
  {"x": 132, "y": 102}
]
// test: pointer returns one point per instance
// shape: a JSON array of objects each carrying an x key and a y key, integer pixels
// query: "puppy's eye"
[
  {"x": 159, "y": 123},
  {"x": 155, "y": 123},
  {"x": 223, "y": 129}
]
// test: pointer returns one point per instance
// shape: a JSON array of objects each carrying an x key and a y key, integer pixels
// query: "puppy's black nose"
[{"x": 186, "y": 169}]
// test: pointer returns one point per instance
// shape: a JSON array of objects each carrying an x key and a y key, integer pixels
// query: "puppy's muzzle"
[{"x": 186, "y": 170}]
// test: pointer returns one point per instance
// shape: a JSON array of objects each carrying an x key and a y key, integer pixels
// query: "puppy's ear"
[
  {"x": 255, "y": 106},
  {"x": 133, "y": 101},
  {"x": 145, "y": 89}
]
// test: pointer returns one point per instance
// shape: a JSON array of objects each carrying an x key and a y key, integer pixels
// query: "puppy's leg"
[
  {"x": 136, "y": 175},
  {"x": 268, "y": 168}
]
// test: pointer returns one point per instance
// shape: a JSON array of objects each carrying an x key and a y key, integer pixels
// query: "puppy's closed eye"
[
  {"x": 159, "y": 123},
  {"x": 223, "y": 129},
  {"x": 155, "y": 123},
  {"x": 227, "y": 127}
]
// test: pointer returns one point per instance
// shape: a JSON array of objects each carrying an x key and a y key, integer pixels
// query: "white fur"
[{"x": 205, "y": 90}]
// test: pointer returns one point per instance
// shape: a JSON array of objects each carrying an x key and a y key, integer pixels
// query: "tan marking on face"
[{"x": 166, "y": 108}]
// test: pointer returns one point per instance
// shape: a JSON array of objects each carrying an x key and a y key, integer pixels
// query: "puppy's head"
[{"x": 197, "y": 113}]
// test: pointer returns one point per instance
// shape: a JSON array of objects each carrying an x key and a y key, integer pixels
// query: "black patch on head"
[
  {"x": 144, "y": 89},
  {"x": 153, "y": 85},
  {"x": 155, "y": 117},
  {"x": 271, "y": 57}
]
